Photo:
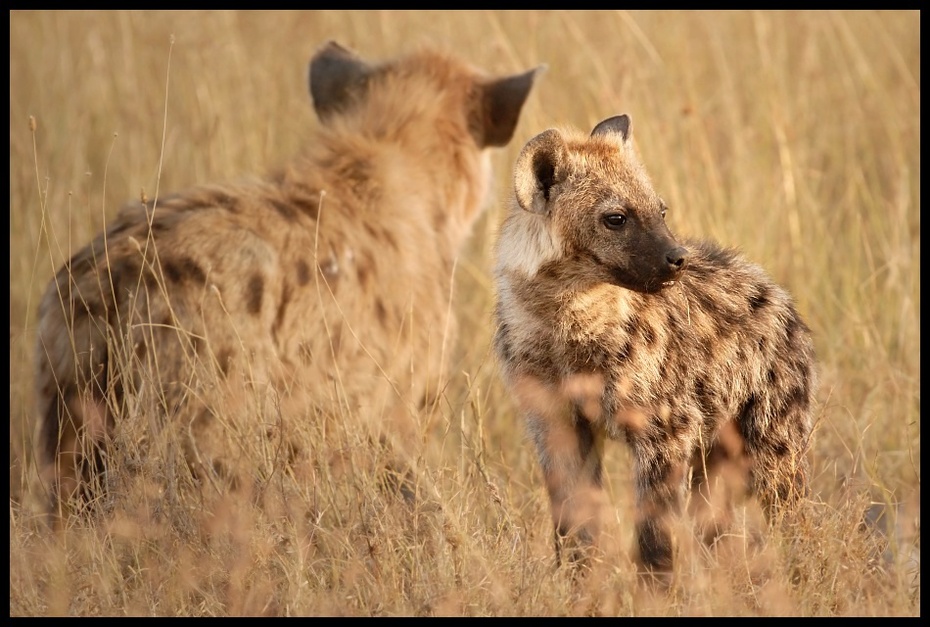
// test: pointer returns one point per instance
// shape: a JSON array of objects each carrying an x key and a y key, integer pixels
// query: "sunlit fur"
[
  {"x": 703, "y": 362},
  {"x": 324, "y": 287}
]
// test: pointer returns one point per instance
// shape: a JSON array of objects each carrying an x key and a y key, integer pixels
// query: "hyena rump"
[
  {"x": 608, "y": 327},
  {"x": 326, "y": 283}
]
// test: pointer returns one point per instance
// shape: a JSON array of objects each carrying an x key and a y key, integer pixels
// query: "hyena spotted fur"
[
  {"x": 610, "y": 328},
  {"x": 328, "y": 282}
]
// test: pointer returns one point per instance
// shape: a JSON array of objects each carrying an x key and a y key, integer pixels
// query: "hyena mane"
[
  {"x": 323, "y": 287},
  {"x": 608, "y": 327}
]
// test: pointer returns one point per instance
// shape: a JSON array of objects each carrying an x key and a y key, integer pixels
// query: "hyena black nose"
[{"x": 677, "y": 259}]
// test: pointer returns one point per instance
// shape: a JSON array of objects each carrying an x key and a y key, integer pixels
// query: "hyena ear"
[
  {"x": 499, "y": 105},
  {"x": 337, "y": 76},
  {"x": 619, "y": 124},
  {"x": 539, "y": 168}
]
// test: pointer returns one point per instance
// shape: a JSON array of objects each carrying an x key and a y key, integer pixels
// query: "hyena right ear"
[
  {"x": 539, "y": 168},
  {"x": 337, "y": 76},
  {"x": 500, "y": 104},
  {"x": 619, "y": 124}
]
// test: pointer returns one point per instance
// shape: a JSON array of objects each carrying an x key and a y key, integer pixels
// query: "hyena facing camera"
[
  {"x": 324, "y": 286},
  {"x": 608, "y": 327}
]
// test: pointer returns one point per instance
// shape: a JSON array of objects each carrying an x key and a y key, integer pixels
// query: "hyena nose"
[{"x": 677, "y": 258}]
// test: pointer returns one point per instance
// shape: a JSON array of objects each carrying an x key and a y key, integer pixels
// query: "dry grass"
[{"x": 794, "y": 136}]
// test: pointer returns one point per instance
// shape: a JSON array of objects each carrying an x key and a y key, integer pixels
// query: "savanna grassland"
[{"x": 793, "y": 136}]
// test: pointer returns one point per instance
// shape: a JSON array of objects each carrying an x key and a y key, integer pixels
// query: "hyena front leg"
[
  {"x": 570, "y": 450},
  {"x": 660, "y": 480}
]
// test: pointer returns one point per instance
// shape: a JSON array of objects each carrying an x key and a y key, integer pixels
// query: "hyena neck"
[
  {"x": 436, "y": 188},
  {"x": 576, "y": 309}
]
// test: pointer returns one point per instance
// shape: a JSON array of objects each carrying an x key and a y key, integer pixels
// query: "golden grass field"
[{"x": 793, "y": 136}]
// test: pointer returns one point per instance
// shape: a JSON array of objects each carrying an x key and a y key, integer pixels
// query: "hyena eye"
[
  {"x": 662, "y": 210},
  {"x": 614, "y": 221}
]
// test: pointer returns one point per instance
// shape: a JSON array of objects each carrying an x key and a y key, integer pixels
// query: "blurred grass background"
[{"x": 794, "y": 136}]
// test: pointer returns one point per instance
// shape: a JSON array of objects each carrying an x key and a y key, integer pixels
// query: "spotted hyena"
[
  {"x": 609, "y": 327},
  {"x": 325, "y": 285}
]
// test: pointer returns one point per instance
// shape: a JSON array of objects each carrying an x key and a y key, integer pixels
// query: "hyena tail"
[{"x": 72, "y": 386}]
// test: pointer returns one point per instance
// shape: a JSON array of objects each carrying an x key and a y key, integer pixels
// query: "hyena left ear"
[
  {"x": 539, "y": 170},
  {"x": 619, "y": 124},
  {"x": 337, "y": 76},
  {"x": 499, "y": 106}
]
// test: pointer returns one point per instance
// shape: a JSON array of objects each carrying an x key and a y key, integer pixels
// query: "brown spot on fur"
[
  {"x": 224, "y": 360},
  {"x": 182, "y": 269},
  {"x": 380, "y": 311},
  {"x": 253, "y": 293},
  {"x": 225, "y": 200},
  {"x": 355, "y": 172},
  {"x": 758, "y": 299},
  {"x": 358, "y": 171},
  {"x": 160, "y": 226},
  {"x": 390, "y": 239},
  {"x": 439, "y": 219},
  {"x": 307, "y": 205},
  {"x": 365, "y": 267},
  {"x": 286, "y": 211},
  {"x": 303, "y": 272},
  {"x": 282, "y": 309},
  {"x": 649, "y": 334},
  {"x": 363, "y": 273},
  {"x": 122, "y": 227}
]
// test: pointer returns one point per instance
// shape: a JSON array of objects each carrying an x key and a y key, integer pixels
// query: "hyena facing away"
[
  {"x": 326, "y": 284},
  {"x": 608, "y": 327}
]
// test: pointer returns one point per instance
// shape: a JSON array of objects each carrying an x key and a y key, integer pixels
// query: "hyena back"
[
  {"x": 326, "y": 284},
  {"x": 608, "y": 327}
]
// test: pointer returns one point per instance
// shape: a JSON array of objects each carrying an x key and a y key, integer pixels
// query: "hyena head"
[
  {"x": 340, "y": 81},
  {"x": 428, "y": 102},
  {"x": 601, "y": 210}
]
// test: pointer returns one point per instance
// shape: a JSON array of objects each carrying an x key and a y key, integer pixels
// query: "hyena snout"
[
  {"x": 648, "y": 266},
  {"x": 669, "y": 261},
  {"x": 677, "y": 260}
]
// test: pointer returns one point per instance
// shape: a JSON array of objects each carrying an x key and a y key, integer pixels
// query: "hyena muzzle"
[
  {"x": 324, "y": 285},
  {"x": 609, "y": 327}
]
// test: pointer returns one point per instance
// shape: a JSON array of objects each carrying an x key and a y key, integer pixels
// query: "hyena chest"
[{"x": 617, "y": 377}]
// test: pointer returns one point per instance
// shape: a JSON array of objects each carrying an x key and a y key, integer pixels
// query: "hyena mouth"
[{"x": 662, "y": 285}]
